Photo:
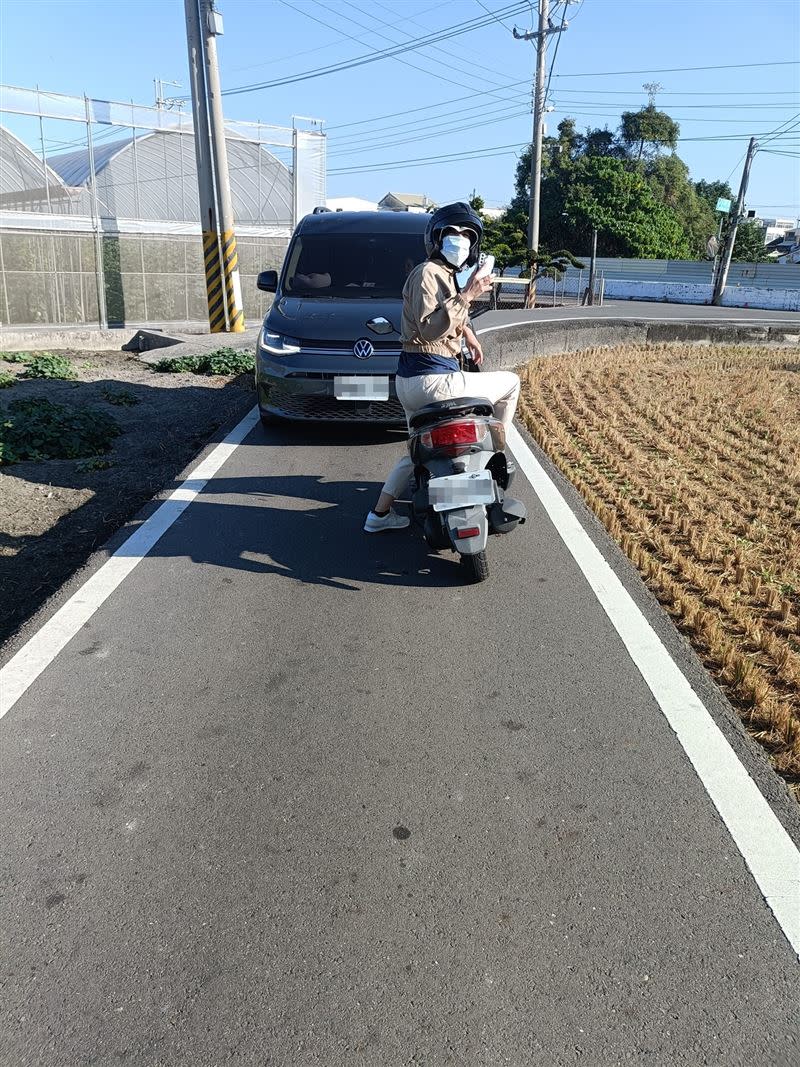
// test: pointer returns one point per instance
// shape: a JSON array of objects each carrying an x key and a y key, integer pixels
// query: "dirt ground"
[{"x": 54, "y": 514}]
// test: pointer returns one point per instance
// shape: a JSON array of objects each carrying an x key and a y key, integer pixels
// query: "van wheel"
[{"x": 477, "y": 566}]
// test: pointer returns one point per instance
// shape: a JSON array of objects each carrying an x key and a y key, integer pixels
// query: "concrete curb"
[{"x": 506, "y": 347}]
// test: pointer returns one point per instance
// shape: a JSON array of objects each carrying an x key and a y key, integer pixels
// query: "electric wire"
[
  {"x": 373, "y": 56},
  {"x": 676, "y": 70},
  {"x": 385, "y": 25}
]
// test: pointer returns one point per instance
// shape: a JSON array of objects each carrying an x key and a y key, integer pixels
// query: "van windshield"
[{"x": 358, "y": 266}]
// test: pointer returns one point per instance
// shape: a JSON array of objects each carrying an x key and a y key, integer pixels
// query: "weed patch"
[
  {"x": 122, "y": 399},
  {"x": 36, "y": 429},
  {"x": 47, "y": 365},
  {"x": 223, "y": 361}
]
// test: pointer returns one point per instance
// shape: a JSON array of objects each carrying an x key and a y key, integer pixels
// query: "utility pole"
[
  {"x": 592, "y": 266},
  {"x": 730, "y": 239},
  {"x": 545, "y": 30},
  {"x": 211, "y": 26},
  {"x": 223, "y": 289}
]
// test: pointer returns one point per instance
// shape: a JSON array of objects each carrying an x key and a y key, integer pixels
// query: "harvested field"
[{"x": 690, "y": 456}]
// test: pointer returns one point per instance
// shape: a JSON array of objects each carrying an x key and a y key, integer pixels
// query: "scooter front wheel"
[{"x": 476, "y": 566}]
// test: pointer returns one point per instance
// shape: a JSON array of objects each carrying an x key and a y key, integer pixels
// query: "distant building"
[
  {"x": 406, "y": 202},
  {"x": 786, "y": 249},
  {"x": 774, "y": 228},
  {"x": 350, "y": 203}
]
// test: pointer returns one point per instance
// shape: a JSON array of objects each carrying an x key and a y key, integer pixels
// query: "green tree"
[
  {"x": 668, "y": 177},
  {"x": 749, "y": 246},
  {"x": 650, "y": 127},
  {"x": 608, "y": 196},
  {"x": 712, "y": 191}
]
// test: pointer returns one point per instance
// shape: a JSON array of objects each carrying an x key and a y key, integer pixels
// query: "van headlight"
[{"x": 276, "y": 343}]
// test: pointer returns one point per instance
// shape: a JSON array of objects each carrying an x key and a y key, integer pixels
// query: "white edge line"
[
  {"x": 593, "y": 320},
  {"x": 767, "y": 849},
  {"x": 36, "y": 654}
]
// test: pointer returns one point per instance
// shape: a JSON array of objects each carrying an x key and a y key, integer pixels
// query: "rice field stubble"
[{"x": 690, "y": 456}]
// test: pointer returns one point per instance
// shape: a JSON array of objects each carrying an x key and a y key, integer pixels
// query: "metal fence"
[{"x": 100, "y": 214}]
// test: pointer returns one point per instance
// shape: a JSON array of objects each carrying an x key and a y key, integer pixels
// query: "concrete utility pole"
[
  {"x": 545, "y": 30},
  {"x": 205, "y": 170},
  {"x": 223, "y": 289},
  {"x": 211, "y": 26},
  {"x": 727, "y": 252}
]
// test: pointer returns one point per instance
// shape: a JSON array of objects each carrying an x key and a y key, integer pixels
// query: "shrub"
[
  {"x": 17, "y": 357},
  {"x": 6, "y": 380},
  {"x": 34, "y": 428}
]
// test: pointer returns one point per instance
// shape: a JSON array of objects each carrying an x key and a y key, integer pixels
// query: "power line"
[
  {"x": 416, "y": 110},
  {"x": 675, "y": 70},
  {"x": 494, "y": 15},
  {"x": 389, "y": 164},
  {"x": 385, "y": 25},
  {"x": 375, "y": 56}
]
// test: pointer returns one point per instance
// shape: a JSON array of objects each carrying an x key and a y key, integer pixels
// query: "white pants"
[{"x": 500, "y": 387}]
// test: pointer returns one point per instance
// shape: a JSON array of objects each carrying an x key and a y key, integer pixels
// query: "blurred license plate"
[
  {"x": 366, "y": 387},
  {"x": 461, "y": 490}
]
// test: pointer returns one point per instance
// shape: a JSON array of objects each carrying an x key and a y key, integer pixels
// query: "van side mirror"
[{"x": 267, "y": 281}]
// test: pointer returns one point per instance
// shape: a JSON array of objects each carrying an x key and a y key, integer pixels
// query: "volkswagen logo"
[{"x": 363, "y": 349}]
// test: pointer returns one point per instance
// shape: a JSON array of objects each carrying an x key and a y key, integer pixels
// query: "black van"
[{"x": 330, "y": 343}]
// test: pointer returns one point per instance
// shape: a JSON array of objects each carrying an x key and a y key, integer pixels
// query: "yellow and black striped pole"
[
  {"x": 214, "y": 287},
  {"x": 233, "y": 287}
]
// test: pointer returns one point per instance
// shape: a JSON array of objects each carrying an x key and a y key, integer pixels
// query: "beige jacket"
[{"x": 434, "y": 312}]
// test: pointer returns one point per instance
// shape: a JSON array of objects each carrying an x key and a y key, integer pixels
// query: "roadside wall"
[
  {"x": 674, "y": 292},
  {"x": 512, "y": 346}
]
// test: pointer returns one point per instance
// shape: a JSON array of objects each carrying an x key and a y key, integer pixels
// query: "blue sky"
[{"x": 114, "y": 50}]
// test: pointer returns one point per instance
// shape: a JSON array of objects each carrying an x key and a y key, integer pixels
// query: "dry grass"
[{"x": 690, "y": 456}]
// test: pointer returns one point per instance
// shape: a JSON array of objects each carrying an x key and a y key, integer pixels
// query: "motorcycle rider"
[{"x": 435, "y": 319}]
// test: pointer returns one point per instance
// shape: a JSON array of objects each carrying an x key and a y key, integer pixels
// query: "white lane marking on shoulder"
[
  {"x": 640, "y": 317},
  {"x": 768, "y": 851},
  {"x": 36, "y": 654}
]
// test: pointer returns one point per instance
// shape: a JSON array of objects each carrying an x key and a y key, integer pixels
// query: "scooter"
[{"x": 461, "y": 475}]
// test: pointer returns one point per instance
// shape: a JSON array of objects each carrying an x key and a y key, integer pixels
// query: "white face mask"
[{"x": 455, "y": 249}]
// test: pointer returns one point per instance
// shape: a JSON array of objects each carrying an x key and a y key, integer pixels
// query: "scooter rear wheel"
[{"x": 477, "y": 566}]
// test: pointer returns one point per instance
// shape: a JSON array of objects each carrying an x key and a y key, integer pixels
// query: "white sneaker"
[{"x": 391, "y": 521}]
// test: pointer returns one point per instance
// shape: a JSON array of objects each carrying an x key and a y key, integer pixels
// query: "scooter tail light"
[{"x": 455, "y": 433}]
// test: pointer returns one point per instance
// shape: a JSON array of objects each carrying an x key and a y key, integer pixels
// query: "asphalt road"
[{"x": 296, "y": 795}]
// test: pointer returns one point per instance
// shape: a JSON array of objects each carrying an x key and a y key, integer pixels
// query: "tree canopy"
[{"x": 629, "y": 184}]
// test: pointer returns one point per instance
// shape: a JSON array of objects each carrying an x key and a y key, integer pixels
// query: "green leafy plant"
[
  {"x": 6, "y": 380},
  {"x": 122, "y": 399},
  {"x": 227, "y": 361},
  {"x": 17, "y": 357},
  {"x": 47, "y": 365},
  {"x": 33, "y": 428},
  {"x": 176, "y": 365},
  {"x": 222, "y": 361},
  {"x": 98, "y": 464}
]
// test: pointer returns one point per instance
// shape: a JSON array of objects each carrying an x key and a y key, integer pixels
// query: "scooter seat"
[{"x": 448, "y": 409}]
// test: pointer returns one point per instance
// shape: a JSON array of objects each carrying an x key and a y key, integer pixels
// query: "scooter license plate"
[
  {"x": 461, "y": 490},
  {"x": 361, "y": 387}
]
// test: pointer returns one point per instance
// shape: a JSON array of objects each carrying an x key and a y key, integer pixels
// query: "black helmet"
[{"x": 459, "y": 214}]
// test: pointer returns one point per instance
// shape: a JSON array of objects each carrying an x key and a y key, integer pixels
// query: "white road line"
[
  {"x": 26, "y": 665},
  {"x": 768, "y": 851},
  {"x": 640, "y": 317}
]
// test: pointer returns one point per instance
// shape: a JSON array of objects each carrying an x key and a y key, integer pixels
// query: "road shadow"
[{"x": 306, "y": 529}]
